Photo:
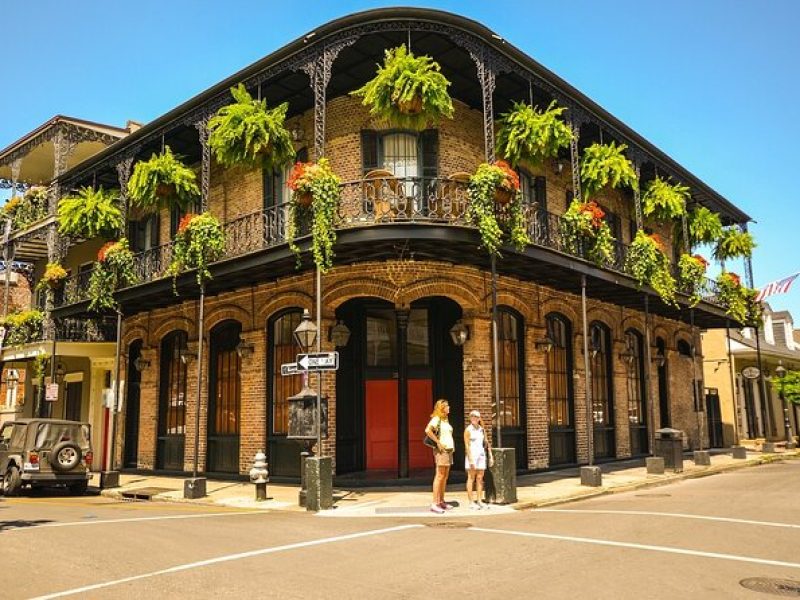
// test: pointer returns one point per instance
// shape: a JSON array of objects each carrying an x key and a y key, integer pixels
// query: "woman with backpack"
[{"x": 439, "y": 435}]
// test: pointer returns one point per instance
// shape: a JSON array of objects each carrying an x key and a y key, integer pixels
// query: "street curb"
[{"x": 751, "y": 462}]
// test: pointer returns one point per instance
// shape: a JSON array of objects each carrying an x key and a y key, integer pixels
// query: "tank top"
[{"x": 476, "y": 437}]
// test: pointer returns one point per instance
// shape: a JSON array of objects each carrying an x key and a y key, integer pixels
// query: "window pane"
[
  {"x": 417, "y": 343},
  {"x": 508, "y": 367},
  {"x": 283, "y": 351},
  {"x": 173, "y": 392},
  {"x": 381, "y": 338},
  {"x": 635, "y": 380},
  {"x": 400, "y": 154},
  {"x": 601, "y": 376},
  {"x": 558, "y": 391}
]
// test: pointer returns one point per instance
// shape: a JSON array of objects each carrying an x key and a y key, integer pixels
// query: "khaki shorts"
[{"x": 442, "y": 459}]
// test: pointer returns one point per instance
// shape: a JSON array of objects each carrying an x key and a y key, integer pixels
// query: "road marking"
[
  {"x": 665, "y": 549},
  {"x": 227, "y": 558},
  {"x": 132, "y": 520},
  {"x": 648, "y": 513}
]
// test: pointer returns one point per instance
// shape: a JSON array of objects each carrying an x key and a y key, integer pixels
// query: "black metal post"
[
  {"x": 647, "y": 360},
  {"x": 49, "y": 405},
  {"x": 587, "y": 369},
  {"x": 698, "y": 399},
  {"x": 200, "y": 328},
  {"x": 736, "y": 435},
  {"x": 767, "y": 417},
  {"x": 496, "y": 358},
  {"x": 115, "y": 408},
  {"x": 402, "y": 394}
]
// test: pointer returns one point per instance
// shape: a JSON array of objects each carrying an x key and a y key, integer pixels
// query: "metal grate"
[{"x": 777, "y": 587}]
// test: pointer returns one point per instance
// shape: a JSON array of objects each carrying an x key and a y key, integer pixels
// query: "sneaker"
[
  {"x": 484, "y": 505},
  {"x": 445, "y": 506},
  {"x": 475, "y": 506},
  {"x": 437, "y": 509}
]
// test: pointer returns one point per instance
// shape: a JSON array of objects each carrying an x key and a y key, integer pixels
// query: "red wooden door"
[
  {"x": 420, "y": 401},
  {"x": 381, "y": 421}
]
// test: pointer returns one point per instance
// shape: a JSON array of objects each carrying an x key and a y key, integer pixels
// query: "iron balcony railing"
[
  {"x": 365, "y": 202},
  {"x": 86, "y": 330}
]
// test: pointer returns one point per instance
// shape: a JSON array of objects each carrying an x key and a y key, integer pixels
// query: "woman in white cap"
[{"x": 475, "y": 448}]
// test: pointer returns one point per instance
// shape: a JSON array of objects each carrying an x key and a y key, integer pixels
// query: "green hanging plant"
[
  {"x": 161, "y": 182},
  {"x": 648, "y": 263},
  {"x": 113, "y": 270},
  {"x": 10, "y": 207},
  {"x": 584, "y": 232},
  {"x": 665, "y": 201},
  {"x": 789, "y": 386},
  {"x": 90, "y": 213},
  {"x": 316, "y": 193},
  {"x": 605, "y": 165},
  {"x": 247, "y": 133},
  {"x": 734, "y": 243},
  {"x": 705, "y": 227},
  {"x": 738, "y": 300},
  {"x": 527, "y": 133},
  {"x": 28, "y": 209},
  {"x": 495, "y": 207},
  {"x": 199, "y": 241},
  {"x": 409, "y": 91},
  {"x": 22, "y": 327},
  {"x": 53, "y": 276},
  {"x": 692, "y": 276}
]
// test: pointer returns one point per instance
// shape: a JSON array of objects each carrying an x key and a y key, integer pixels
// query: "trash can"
[{"x": 669, "y": 446}]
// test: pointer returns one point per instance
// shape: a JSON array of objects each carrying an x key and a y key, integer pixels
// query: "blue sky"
[{"x": 714, "y": 83}]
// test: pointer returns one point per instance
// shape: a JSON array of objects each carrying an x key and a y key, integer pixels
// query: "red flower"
[
  {"x": 594, "y": 211},
  {"x": 658, "y": 241},
  {"x": 185, "y": 221},
  {"x": 101, "y": 254},
  {"x": 735, "y": 278},
  {"x": 512, "y": 179},
  {"x": 701, "y": 260},
  {"x": 298, "y": 171}
]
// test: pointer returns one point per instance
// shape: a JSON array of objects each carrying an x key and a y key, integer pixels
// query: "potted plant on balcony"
[
  {"x": 114, "y": 269},
  {"x": 53, "y": 276},
  {"x": 583, "y": 228},
  {"x": 495, "y": 207},
  {"x": 734, "y": 243},
  {"x": 408, "y": 91},
  {"x": 648, "y": 263},
  {"x": 199, "y": 242},
  {"x": 705, "y": 227},
  {"x": 692, "y": 276},
  {"x": 738, "y": 300},
  {"x": 90, "y": 213},
  {"x": 22, "y": 327},
  {"x": 315, "y": 193},
  {"x": 528, "y": 133},
  {"x": 605, "y": 165},
  {"x": 162, "y": 181},
  {"x": 248, "y": 133},
  {"x": 10, "y": 207},
  {"x": 664, "y": 201}
]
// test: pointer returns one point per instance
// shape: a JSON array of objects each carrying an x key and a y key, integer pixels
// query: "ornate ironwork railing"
[
  {"x": 381, "y": 200},
  {"x": 86, "y": 330}
]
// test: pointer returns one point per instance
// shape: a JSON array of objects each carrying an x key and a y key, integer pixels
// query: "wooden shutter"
[
  {"x": 155, "y": 231},
  {"x": 429, "y": 146},
  {"x": 369, "y": 150},
  {"x": 269, "y": 188},
  {"x": 540, "y": 192}
]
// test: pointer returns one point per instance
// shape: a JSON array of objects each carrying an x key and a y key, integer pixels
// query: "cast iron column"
[
  {"x": 647, "y": 358},
  {"x": 402, "y": 392},
  {"x": 587, "y": 368}
]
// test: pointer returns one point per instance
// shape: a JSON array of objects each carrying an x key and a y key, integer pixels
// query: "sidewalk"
[{"x": 543, "y": 489}]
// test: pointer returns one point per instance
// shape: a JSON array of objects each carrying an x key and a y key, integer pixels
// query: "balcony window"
[
  {"x": 400, "y": 154},
  {"x": 403, "y": 154}
]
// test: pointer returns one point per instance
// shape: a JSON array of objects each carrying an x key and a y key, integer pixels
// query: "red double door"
[{"x": 382, "y": 423}]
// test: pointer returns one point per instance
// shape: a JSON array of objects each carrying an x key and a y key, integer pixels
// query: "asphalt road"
[{"x": 694, "y": 539}]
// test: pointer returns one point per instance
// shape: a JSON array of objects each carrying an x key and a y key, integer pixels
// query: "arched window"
[
  {"x": 282, "y": 350},
  {"x": 637, "y": 418},
  {"x": 224, "y": 398},
  {"x": 509, "y": 332},
  {"x": 560, "y": 396},
  {"x": 684, "y": 348},
  {"x": 665, "y": 419},
  {"x": 602, "y": 390}
]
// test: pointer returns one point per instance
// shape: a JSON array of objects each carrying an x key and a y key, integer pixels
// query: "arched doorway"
[
  {"x": 511, "y": 361},
  {"x": 395, "y": 364},
  {"x": 130, "y": 459},
  {"x": 637, "y": 405},
  {"x": 224, "y": 399},
  {"x": 602, "y": 391},
  {"x": 663, "y": 384},
  {"x": 171, "y": 438},
  {"x": 560, "y": 391}
]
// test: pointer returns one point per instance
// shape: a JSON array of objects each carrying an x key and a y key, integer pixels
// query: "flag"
[{"x": 776, "y": 287}]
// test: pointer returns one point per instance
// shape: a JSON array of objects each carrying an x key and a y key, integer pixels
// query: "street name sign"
[
  {"x": 51, "y": 392},
  {"x": 321, "y": 361},
  {"x": 290, "y": 369}
]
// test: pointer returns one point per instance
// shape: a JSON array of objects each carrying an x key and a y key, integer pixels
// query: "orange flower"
[
  {"x": 512, "y": 179},
  {"x": 658, "y": 241},
  {"x": 594, "y": 211},
  {"x": 701, "y": 260},
  {"x": 101, "y": 254},
  {"x": 185, "y": 221},
  {"x": 734, "y": 278},
  {"x": 297, "y": 174}
]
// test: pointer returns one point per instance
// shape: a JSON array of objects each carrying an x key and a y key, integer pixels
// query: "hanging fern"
[
  {"x": 161, "y": 182},
  {"x": 705, "y": 227},
  {"x": 665, "y": 201},
  {"x": 605, "y": 165},
  {"x": 527, "y": 133},
  {"x": 734, "y": 243},
  {"x": 247, "y": 133},
  {"x": 648, "y": 263},
  {"x": 91, "y": 213},
  {"x": 409, "y": 91}
]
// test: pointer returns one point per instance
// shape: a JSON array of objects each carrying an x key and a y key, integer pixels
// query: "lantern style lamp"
[
  {"x": 306, "y": 333},
  {"x": 459, "y": 333}
]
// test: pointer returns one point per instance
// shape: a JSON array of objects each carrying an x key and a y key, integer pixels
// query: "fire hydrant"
[{"x": 260, "y": 475}]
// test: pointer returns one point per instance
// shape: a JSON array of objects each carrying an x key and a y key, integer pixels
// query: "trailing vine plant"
[
  {"x": 648, "y": 263},
  {"x": 315, "y": 194},
  {"x": 497, "y": 221},
  {"x": 584, "y": 232},
  {"x": 528, "y": 133},
  {"x": 161, "y": 182},
  {"x": 734, "y": 243},
  {"x": 22, "y": 327},
  {"x": 692, "y": 276},
  {"x": 90, "y": 213},
  {"x": 738, "y": 300},
  {"x": 247, "y": 133},
  {"x": 664, "y": 201},
  {"x": 199, "y": 241},
  {"x": 408, "y": 91},
  {"x": 113, "y": 270},
  {"x": 605, "y": 165}
]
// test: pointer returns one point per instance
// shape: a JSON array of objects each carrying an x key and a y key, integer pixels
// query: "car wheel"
[
  {"x": 65, "y": 456},
  {"x": 79, "y": 488},
  {"x": 12, "y": 482}
]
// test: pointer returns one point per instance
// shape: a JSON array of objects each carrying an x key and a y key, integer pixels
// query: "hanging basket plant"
[
  {"x": 734, "y": 243},
  {"x": 692, "y": 276},
  {"x": 162, "y": 182},
  {"x": 53, "y": 276},
  {"x": 408, "y": 91},
  {"x": 248, "y": 133},
  {"x": 316, "y": 193},
  {"x": 528, "y": 133},
  {"x": 495, "y": 207},
  {"x": 199, "y": 241},
  {"x": 605, "y": 165},
  {"x": 648, "y": 263},
  {"x": 113, "y": 270},
  {"x": 664, "y": 201},
  {"x": 22, "y": 327},
  {"x": 90, "y": 213},
  {"x": 10, "y": 207},
  {"x": 738, "y": 300},
  {"x": 705, "y": 227},
  {"x": 584, "y": 232}
]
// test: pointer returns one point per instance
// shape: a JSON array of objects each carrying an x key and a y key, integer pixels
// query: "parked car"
[{"x": 45, "y": 452}]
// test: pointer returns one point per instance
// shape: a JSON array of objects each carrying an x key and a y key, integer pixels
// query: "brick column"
[
  {"x": 581, "y": 443},
  {"x": 148, "y": 410},
  {"x": 478, "y": 369},
  {"x": 253, "y": 413},
  {"x": 536, "y": 400}
]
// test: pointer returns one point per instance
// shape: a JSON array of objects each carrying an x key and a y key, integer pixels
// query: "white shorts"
[{"x": 480, "y": 462}]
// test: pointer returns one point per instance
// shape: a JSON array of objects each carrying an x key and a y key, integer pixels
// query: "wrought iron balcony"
[
  {"x": 86, "y": 330},
  {"x": 367, "y": 202}
]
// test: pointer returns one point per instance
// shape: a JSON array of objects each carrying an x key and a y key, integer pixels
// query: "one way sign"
[{"x": 322, "y": 361}]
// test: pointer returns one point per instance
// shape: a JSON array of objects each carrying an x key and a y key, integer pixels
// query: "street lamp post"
[{"x": 780, "y": 372}]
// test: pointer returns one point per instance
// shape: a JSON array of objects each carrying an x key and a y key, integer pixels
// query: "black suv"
[{"x": 45, "y": 452}]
